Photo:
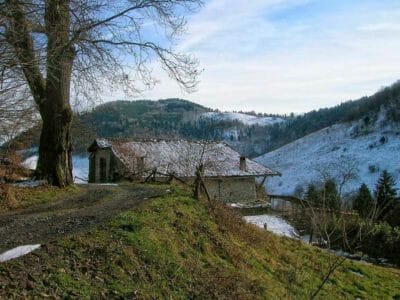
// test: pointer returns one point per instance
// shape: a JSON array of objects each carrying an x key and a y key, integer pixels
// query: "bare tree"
[
  {"x": 328, "y": 223},
  {"x": 342, "y": 171},
  {"x": 17, "y": 113},
  {"x": 55, "y": 47}
]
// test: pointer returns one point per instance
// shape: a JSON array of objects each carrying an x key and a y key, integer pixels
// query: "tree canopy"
[{"x": 51, "y": 48}]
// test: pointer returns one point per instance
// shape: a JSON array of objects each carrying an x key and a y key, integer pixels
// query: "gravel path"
[{"x": 50, "y": 221}]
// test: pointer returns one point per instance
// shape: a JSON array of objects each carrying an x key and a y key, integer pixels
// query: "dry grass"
[{"x": 13, "y": 197}]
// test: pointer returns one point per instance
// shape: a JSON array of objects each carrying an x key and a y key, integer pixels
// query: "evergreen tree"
[
  {"x": 363, "y": 203},
  {"x": 313, "y": 196},
  {"x": 331, "y": 195},
  {"x": 385, "y": 195}
]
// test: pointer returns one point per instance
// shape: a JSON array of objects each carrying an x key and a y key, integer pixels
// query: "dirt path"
[{"x": 46, "y": 222}]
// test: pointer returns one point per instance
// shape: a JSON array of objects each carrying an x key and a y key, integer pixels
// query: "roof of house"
[{"x": 181, "y": 157}]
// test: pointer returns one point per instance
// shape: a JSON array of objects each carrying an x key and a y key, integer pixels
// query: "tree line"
[{"x": 368, "y": 222}]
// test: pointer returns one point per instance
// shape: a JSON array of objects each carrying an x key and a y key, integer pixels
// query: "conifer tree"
[
  {"x": 385, "y": 195},
  {"x": 313, "y": 196},
  {"x": 364, "y": 203},
  {"x": 331, "y": 195}
]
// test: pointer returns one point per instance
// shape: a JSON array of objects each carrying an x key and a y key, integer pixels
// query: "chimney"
[{"x": 242, "y": 163}]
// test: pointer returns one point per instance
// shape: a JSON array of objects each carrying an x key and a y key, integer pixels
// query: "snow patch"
[
  {"x": 17, "y": 252},
  {"x": 274, "y": 224},
  {"x": 80, "y": 169},
  {"x": 243, "y": 118},
  {"x": 250, "y": 205},
  {"x": 369, "y": 150},
  {"x": 30, "y": 162},
  {"x": 80, "y": 163},
  {"x": 30, "y": 183}
]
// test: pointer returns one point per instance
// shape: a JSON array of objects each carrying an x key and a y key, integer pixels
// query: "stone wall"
[
  {"x": 232, "y": 189},
  {"x": 115, "y": 169}
]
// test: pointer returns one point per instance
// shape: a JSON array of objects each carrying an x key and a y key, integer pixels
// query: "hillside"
[
  {"x": 178, "y": 248},
  {"x": 141, "y": 118},
  {"x": 366, "y": 107},
  {"x": 174, "y": 118},
  {"x": 367, "y": 147},
  {"x": 245, "y": 119}
]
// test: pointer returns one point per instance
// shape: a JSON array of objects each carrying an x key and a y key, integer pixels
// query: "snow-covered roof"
[{"x": 181, "y": 157}]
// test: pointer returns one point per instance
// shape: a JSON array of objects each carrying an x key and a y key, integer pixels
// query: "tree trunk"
[{"x": 55, "y": 161}]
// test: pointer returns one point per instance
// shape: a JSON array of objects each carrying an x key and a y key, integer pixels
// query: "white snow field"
[
  {"x": 17, "y": 252},
  {"x": 243, "y": 118},
  {"x": 274, "y": 224},
  {"x": 332, "y": 150},
  {"x": 80, "y": 165}
]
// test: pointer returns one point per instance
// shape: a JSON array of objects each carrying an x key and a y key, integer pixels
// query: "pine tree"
[
  {"x": 332, "y": 200},
  {"x": 313, "y": 196},
  {"x": 364, "y": 203},
  {"x": 385, "y": 195}
]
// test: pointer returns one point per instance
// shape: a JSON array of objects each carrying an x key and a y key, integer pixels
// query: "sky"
[{"x": 282, "y": 56}]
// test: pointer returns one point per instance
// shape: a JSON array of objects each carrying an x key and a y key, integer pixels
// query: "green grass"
[
  {"x": 178, "y": 248},
  {"x": 46, "y": 194}
]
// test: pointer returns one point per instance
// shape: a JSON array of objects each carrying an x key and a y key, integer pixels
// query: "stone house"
[{"x": 228, "y": 175}]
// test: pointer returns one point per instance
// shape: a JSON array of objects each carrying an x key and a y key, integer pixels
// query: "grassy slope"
[
  {"x": 176, "y": 247},
  {"x": 17, "y": 198}
]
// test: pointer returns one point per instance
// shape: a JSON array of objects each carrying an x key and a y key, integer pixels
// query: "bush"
[
  {"x": 373, "y": 168},
  {"x": 383, "y": 241}
]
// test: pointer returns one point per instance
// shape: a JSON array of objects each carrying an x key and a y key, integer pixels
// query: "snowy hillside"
[
  {"x": 368, "y": 150},
  {"x": 243, "y": 118}
]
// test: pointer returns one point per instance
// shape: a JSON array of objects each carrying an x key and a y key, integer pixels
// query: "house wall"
[
  {"x": 283, "y": 205},
  {"x": 115, "y": 169},
  {"x": 94, "y": 164},
  {"x": 227, "y": 189},
  {"x": 118, "y": 171},
  {"x": 232, "y": 189}
]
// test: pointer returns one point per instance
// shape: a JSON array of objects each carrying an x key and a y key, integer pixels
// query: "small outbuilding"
[{"x": 228, "y": 175}]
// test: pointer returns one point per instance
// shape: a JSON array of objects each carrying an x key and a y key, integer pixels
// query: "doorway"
[{"x": 103, "y": 170}]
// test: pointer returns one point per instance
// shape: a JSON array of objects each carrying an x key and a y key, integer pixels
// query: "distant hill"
[
  {"x": 363, "y": 135},
  {"x": 173, "y": 118},
  {"x": 366, "y": 108},
  {"x": 142, "y": 118}
]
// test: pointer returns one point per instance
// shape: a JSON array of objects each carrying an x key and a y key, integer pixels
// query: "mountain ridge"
[{"x": 364, "y": 148}]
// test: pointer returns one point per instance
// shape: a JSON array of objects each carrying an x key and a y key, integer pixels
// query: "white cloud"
[
  {"x": 287, "y": 55},
  {"x": 380, "y": 27}
]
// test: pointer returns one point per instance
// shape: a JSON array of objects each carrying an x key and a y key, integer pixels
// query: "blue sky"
[{"x": 282, "y": 56}]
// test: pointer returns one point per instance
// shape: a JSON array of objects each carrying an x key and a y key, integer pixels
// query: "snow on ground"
[
  {"x": 80, "y": 165},
  {"x": 275, "y": 224},
  {"x": 30, "y": 162},
  {"x": 30, "y": 183},
  {"x": 17, "y": 252},
  {"x": 80, "y": 169},
  {"x": 243, "y": 118},
  {"x": 335, "y": 148}
]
